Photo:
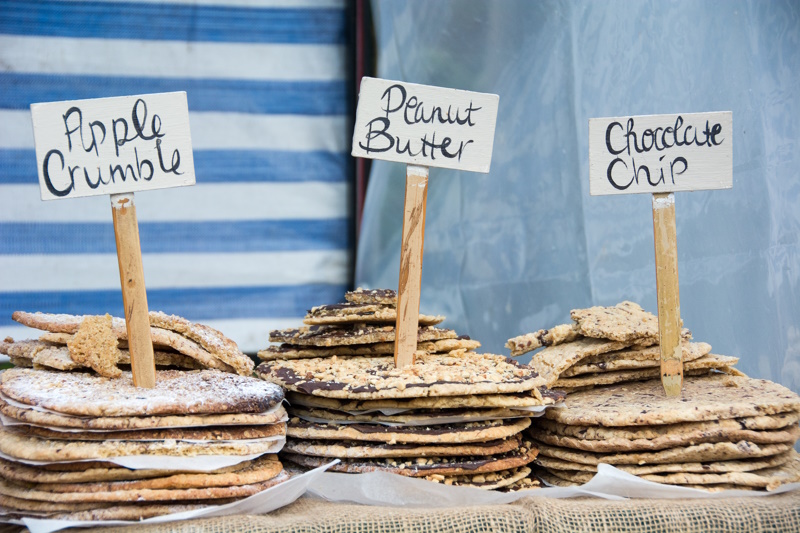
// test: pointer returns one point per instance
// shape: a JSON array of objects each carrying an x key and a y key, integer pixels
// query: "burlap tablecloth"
[{"x": 779, "y": 513}]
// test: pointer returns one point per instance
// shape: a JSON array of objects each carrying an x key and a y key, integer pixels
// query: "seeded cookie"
[
  {"x": 377, "y": 377},
  {"x": 352, "y": 334}
]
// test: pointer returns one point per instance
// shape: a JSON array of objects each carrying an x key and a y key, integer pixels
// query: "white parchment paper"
[
  {"x": 265, "y": 501},
  {"x": 382, "y": 488}
]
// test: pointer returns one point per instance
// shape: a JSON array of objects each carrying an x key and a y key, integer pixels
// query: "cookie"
[
  {"x": 630, "y": 359},
  {"x": 350, "y": 313},
  {"x": 365, "y": 449},
  {"x": 722, "y": 363},
  {"x": 425, "y": 466},
  {"x": 427, "y": 417},
  {"x": 289, "y": 351},
  {"x": 707, "y": 452},
  {"x": 210, "y": 434},
  {"x": 352, "y": 334},
  {"x": 366, "y": 378},
  {"x": 223, "y": 348},
  {"x": 551, "y": 362},
  {"x": 624, "y": 322},
  {"x": 137, "y": 495},
  {"x": 532, "y": 398},
  {"x": 63, "y": 323},
  {"x": 44, "y": 418},
  {"x": 746, "y": 465},
  {"x": 446, "y": 433},
  {"x": 176, "y": 393},
  {"x": 372, "y": 296},
  {"x": 544, "y": 337},
  {"x": 94, "y": 345},
  {"x": 690, "y": 429},
  {"x": 262, "y": 469},
  {"x": 705, "y": 398},
  {"x": 617, "y": 445},
  {"x": 18, "y": 445}
]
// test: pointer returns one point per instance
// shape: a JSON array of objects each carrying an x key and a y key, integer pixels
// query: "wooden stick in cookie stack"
[
  {"x": 726, "y": 431},
  {"x": 86, "y": 444},
  {"x": 454, "y": 416}
]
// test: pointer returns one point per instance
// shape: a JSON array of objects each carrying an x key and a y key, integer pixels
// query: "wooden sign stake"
[
  {"x": 134, "y": 293},
  {"x": 660, "y": 155},
  {"x": 408, "y": 290},
  {"x": 421, "y": 126},
  {"x": 669, "y": 308},
  {"x": 117, "y": 146}
]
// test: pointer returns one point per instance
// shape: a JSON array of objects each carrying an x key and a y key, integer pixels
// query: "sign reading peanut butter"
[{"x": 424, "y": 125}]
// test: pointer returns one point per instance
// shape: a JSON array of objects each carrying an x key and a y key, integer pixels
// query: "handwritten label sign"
[
  {"x": 112, "y": 145},
  {"x": 424, "y": 125},
  {"x": 661, "y": 153}
]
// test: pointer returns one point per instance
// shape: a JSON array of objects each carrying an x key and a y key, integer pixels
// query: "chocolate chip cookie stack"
[
  {"x": 607, "y": 345},
  {"x": 724, "y": 432},
  {"x": 454, "y": 417},
  {"x": 79, "y": 441}
]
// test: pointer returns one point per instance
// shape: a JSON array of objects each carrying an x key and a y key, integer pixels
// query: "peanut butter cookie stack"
[
  {"x": 83, "y": 443},
  {"x": 454, "y": 417},
  {"x": 725, "y": 431}
]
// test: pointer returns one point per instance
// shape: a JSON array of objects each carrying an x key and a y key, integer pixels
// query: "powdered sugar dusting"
[{"x": 176, "y": 392}]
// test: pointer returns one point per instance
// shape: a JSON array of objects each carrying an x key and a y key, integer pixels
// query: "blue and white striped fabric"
[{"x": 265, "y": 232}]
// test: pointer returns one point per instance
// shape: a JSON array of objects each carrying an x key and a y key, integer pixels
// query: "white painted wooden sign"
[
  {"x": 661, "y": 153},
  {"x": 424, "y": 125},
  {"x": 112, "y": 145}
]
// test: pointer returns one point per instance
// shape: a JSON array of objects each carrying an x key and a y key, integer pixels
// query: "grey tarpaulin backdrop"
[{"x": 513, "y": 251}]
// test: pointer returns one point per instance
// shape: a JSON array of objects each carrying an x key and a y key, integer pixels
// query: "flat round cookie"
[
  {"x": 707, "y": 452},
  {"x": 424, "y": 466},
  {"x": 289, "y": 351},
  {"x": 705, "y": 398},
  {"x": 769, "y": 478},
  {"x": 631, "y": 359},
  {"x": 532, "y": 398},
  {"x": 448, "y": 433},
  {"x": 176, "y": 393},
  {"x": 88, "y": 471},
  {"x": 364, "y": 449},
  {"x": 9, "y": 503},
  {"x": 747, "y": 465},
  {"x": 210, "y": 434},
  {"x": 699, "y": 429},
  {"x": 19, "y": 446},
  {"x": 366, "y": 378},
  {"x": 427, "y": 417},
  {"x": 698, "y": 367},
  {"x": 160, "y": 495},
  {"x": 344, "y": 335},
  {"x": 34, "y": 417},
  {"x": 617, "y": 445},
  {"x": 262, "y": 469}
]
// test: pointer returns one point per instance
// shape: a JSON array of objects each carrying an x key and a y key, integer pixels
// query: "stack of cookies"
[
  {"x": 454, "y": 416},
  {"x": 724, "y": 432},
  {"x": 76, "y": 445},
  {"x": 608, "y": 345},
  {"x": 79, "y": 441},
  {"x": 73, "y": 342}
]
